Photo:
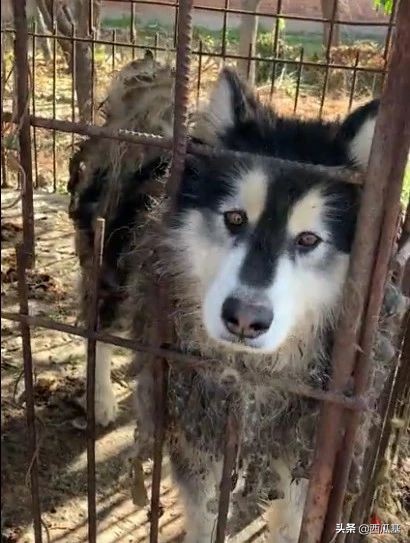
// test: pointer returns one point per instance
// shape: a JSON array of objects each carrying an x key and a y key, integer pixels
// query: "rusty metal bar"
[
  {"x": 179, "y": 148},
  {"x": 361, "y": 507},
  {"x": 33, "y": 102},
  {"x": 259, "y": 13},
  {"x": 386, "y": 167},
  {"x": 228, "y": 472},
  {"x": 91, "y": 345},
  {"x": 23, "y": 97},
  {"x": 198, "y": 82},
  {"x": 327, "y": 55},
  {"x": 54, "y": 111},
  {"x": 165, "y": 331},
  {"x": 73, "y": 81},
  {"x": 398, "y": 143},
  {"x": 299, "y": 77},
  {"x": 181, "y": 360},
  {"x": 93, "y": 75},
  {"x": 354, "y": 78},
  {"x": 390, "y": 26},
  {"x": 224, "y": 28},
  {"x": 3, "y": 86},
  {"x": 291, "y": 62},
  {"x": 160, "y": 379},
  {"x": 167, "y": 143},
  {"x": 275, "y": 49},
  {"x": 33, "y": 445}
]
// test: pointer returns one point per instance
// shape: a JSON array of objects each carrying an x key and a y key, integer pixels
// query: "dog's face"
[{"x": 267, "y": 245}]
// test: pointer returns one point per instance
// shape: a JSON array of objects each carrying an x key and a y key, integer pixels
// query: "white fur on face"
[
  {"x": 304, "y": 291},
  {"x": 359, "y": 147}
]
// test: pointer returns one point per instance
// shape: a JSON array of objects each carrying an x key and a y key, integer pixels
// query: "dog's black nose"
[{"x": 246, "y": 319}]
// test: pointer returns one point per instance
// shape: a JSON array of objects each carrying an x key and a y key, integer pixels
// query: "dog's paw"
[{"x": 106, "y": 408}]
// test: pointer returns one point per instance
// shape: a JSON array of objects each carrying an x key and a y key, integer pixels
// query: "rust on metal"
[
  {"x": 54, "y": 112},
  {"x": 275, "y": 48},
  {"x": 181, "y": 95},
  {"x": 298, "y": 80},
  {"x": 164, "y": 331},
  {"x": 354, "y": 78},
  {"x": 33, "y": 101},
  {"x": 228, "y": 472},
  {"x": 328, "y": 47},
  {"x": 387, "y": 161},
  {"x": 32, "y": 441},
  {"x": 181, "y": 360},
  {"x": 211, "y": 54},
  {"x": 90, "y": 397},
  {"x": 23, "y": 98},
  {"x": 391, "y": 135}
]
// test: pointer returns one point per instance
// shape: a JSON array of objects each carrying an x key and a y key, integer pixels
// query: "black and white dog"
[{"x": 255, "y": 260}]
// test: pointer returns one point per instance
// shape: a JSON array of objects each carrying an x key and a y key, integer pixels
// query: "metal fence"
[{"x": 371, "y": 257}]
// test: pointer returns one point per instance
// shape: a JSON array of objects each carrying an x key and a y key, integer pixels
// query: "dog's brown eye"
[
  {"x": 235, "y": 219},
  {"x": 307, "y": 240}
]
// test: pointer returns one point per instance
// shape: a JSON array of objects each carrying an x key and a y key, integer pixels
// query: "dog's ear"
[
  {"x": 357, "y": 132},
  {"x": 231, "y": 102}
]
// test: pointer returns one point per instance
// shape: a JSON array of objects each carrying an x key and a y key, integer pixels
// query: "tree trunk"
[
  {"x": 75, "y": 13},
  {"x": 329, "y": 10},
  {"x": 44, "y": 42},
  {"x": 247, "y": 40}
]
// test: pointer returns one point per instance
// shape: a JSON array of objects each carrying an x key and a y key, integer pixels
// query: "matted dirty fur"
[{"x": 227, "y": 257}]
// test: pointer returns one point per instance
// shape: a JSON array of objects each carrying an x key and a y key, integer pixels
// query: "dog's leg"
[
  {"x": 200, "y": 521},
  {"x": 105, "y": 402},
  {"x": 284, "y": 516},
  {"x": 198, "y": 483}
]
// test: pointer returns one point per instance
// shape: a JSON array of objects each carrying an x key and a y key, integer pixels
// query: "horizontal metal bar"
[
  {"x": 320, "y": 65},
  {"x": 267, "y": 14},
  {"x": 180, "y": 360},
  {"x": 167, "y": 143}
]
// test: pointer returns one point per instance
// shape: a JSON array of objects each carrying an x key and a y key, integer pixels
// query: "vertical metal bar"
[
  {"x": 184, "y": 35},
  {"x": 73, "y": 79},
  {"x": 299, "y": 77},
  {"x": 132, "y": 28},
  {"x": 23, "y": 98},
  {"x": 228, "y": 470},
  {"x": 224, "y": 27},
  {"x": 275, "y": 48},
  {"x": 198, "y": 83},
  {"x": 388, "y": 235},
  {"x": 176, "y": 16},
  {"x": 387, "y": 43},
  {"x": 33, "y": 446},
  {"x": 92, "y": 36},
  {"x": 54, "y": 95},
  {"x": 114, "y": 41},
  {"x": 248, "y": 68},
  {"x": 379, "y": 206},
  {"x": 354, "y": 78},
  {"x": 181, "y": 94},
  {"x": 3, "y": 85},
  {"x": 160, "y": 375},
  {"x": 362, "y": 506},
  {"x": 328, "y": 47},
  {"x": 33, "y": 101},
  {"x": 90, "y": 17},
  {"x": 91, "y": 345}
]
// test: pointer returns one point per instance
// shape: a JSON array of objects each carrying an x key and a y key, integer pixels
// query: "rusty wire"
[{"x": 336, "y": 402}]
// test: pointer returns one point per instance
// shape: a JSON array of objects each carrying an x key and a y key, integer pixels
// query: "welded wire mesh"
[{"x": 283, "y": 73}]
